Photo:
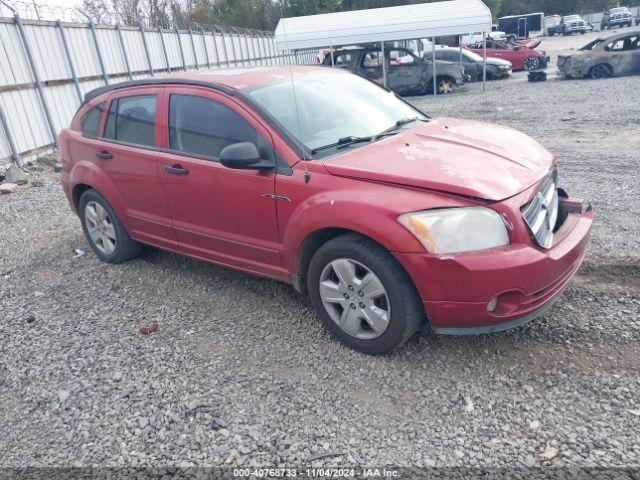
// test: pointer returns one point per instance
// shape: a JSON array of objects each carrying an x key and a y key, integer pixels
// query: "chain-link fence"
[{"x": 47, "y": 66}]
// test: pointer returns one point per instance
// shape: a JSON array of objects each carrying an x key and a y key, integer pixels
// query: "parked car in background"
[
  {"x": 473, "y": 63},
  {"x": 552, "y": 24},
  {"x": 407, "y": 74},
  {"x": 572, "y": 24},
  {"x": 604, "y": 57},
  {"x": 386, "y": 218},
  {"x": 616, "y": 17},
  {"x": 521, "y": 57}
]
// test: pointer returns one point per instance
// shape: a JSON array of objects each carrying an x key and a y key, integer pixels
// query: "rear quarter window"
[{"x": 91, "y": 121}]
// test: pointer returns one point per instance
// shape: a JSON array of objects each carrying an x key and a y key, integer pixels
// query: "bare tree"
[
  {"x": 98, "y": 10},
  {"x": 129, "y": 11}
]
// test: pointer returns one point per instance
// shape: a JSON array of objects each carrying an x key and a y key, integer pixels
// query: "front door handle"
[
  {"x": 176, "y": 170},
  {"x": 104, "y": 155}
]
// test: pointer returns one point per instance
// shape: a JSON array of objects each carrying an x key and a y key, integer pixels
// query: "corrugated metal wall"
[{"x": 39, "y": 95}]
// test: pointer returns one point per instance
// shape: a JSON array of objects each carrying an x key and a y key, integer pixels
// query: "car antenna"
[{"x": 307, "y": 175}]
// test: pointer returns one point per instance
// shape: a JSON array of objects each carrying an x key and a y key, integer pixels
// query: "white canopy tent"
[{"x": 380, "y": 25}]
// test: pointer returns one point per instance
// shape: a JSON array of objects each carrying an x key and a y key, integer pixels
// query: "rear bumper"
[{"x": 456, "y": 289}]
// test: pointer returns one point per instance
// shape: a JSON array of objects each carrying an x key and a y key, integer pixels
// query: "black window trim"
[{"x": 281, "y": 167}]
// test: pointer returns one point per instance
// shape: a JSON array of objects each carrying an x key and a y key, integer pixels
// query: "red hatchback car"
[
  {"x": 521, "y": 56},
  {"x": 339, "y": 187}
]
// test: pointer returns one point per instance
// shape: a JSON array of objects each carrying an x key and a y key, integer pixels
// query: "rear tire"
[
  {"x": 347, "y": 276},
  {"x": 445, "y": 86},
  {"x": 105, "y": 233},
  {"x": 532, "y": 63}
]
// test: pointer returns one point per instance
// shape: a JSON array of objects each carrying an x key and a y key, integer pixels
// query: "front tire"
[
  {"x": 600, "y": 71},
  {"x": 362, "y": 295},
  {"x": 105, "y": 233}
]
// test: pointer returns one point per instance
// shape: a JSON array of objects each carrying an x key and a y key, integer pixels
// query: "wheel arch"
[
  {"x": 77, "y": 192},
  {"x": 316, "y": 239},
  {"x": 607, "y": 65},
  {"x": 86, "y": 176}
]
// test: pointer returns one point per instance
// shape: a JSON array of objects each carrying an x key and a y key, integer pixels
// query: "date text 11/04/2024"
[{"x": 316, "y": 473}]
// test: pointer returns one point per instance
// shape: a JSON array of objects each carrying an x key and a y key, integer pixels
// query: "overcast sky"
[{"x": 59, "y": 3}]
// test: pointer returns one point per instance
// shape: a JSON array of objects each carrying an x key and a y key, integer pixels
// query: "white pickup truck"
[{"x": 477, "y": 37}]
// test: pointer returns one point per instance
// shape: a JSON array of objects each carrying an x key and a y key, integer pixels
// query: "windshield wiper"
[
  {"x": 345, "y": 141},
  {"x": 350, "y": 140},
  {"x": 401, "y": 122}
]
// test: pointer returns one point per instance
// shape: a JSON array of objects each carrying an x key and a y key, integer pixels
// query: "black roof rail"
[{"x": 155, "y": 81}]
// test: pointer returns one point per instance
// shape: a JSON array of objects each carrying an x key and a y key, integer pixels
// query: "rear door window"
[
  {"x": 203, "y": 127},
  {"x": 91, "y": 121},
  {"x": 132, "y": 120}
]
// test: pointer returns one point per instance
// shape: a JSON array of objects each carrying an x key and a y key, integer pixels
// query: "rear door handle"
[
  {"x": 176, "y": 170},
  {"x": 104, "y": 155}
]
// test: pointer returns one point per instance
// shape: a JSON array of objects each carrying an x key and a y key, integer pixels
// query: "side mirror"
[
  {"x": 516, "y": 48},
  {"x": 244, "y": 156}
]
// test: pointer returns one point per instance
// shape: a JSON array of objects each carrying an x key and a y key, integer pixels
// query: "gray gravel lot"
[{"x": 240, "y": 371}]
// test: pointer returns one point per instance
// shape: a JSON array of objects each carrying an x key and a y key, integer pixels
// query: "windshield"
[
  {"x": 571, "y": 18},
  {"x": 331, "y": 106}
]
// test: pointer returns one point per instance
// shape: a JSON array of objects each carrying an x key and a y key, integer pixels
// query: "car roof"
[
  {"x": 628, "y": 33},
  {"x": 228, "y": 80},
  {"x": 447, "y": 49}
]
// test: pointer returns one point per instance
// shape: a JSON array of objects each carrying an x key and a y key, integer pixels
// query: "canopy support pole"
[
  {"x": 384, "y": 66},
  {"x": 433, "y": 59},
  {"x": 333, "y": 63},
  {"x": 484, "y": 61}
]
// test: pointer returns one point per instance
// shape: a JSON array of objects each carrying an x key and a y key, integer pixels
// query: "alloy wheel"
[
  {"x": 355, "y": 298},
  {"x": 100, "y": 227},
  {"x": 531, "y": 63}
]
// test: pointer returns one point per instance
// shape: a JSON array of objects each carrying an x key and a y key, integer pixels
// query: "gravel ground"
[{"x": 240, "y": 372}]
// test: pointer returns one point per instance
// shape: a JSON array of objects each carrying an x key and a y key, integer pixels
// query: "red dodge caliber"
[{"x": 322, "y": 179}]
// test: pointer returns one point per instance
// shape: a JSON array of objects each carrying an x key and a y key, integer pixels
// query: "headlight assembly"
[{"x": 456, "y": 230}]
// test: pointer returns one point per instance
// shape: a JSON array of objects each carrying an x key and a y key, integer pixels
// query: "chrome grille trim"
[{"x": 541, "y": 214}]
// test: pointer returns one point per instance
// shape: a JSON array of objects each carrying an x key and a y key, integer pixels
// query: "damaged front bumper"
[{"x": 495, "y": 290}]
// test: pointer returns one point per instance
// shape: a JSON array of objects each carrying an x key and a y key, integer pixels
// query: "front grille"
[{"x": 541, "y": 214}]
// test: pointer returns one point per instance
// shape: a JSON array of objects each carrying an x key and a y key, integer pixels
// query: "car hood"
[
  {"x": 496, "y": 61},
  {"x": 529, "y": 43},
  {"x": 461, "y": 157}
]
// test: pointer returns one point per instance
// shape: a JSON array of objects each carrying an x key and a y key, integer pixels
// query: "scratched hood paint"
[{"x": 456, "y": 156}]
